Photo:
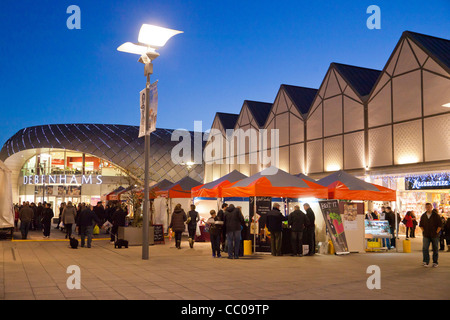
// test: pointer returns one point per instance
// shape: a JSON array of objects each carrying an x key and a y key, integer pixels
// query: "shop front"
[{"x": 60, "y": 176}]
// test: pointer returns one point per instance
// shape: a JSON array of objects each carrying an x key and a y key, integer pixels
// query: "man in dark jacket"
[
  {"x": 431, "y": 225},
  {"x": 233, "y": 220},
  {"x": 298, "y": 221},
  {"x": 26, "y": 215},
  {"x": 390, "y": 217},
  {"x": 47, "y": 215},
  {"x": 99, "y": 211},
  {"x": 85, "y": 222},
  {"x": 310, "y": 230},
  {"x": 274, "y": 224},
  {"x": 220, "y": 216}
]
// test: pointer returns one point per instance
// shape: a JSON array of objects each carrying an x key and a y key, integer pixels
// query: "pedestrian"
[
  {"x": 192, "y": 218},
  {"x": 33, "y": 225},
  {"x": 442, "y": 233},
  {"x": 16, "y": 218},
  {"x": 215, "y": 229},
  {"x": 412, "y": 233},
  {"x": 310, "y": 230},
  {"x": 431, "y": 225},
  {"x": 408, "y": 222},
  {"x": 38, "y": 218},
  {"x": 46, "y": 220},
  {"x": 61, "y": 209},
  {"x": 390, "y": 217},
  {"x": 26, "y": 215},
  {"x": 177, "y": 224},
  {"x": 274, "y": 222},
  {"x": 233, "y": 220},
  {"x": 118, "y": 219},
  {"x": 297, "y": 220},
  {"x": 447, "y": 232},
  {"x": 86, "y": 220},
  {"x": 100, "y": 212},
  {"x": 68, "y": 217},
  {"x": 221, "y": 215}
]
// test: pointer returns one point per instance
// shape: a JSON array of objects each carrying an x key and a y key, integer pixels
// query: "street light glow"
[{"x": 154, "y": 36}]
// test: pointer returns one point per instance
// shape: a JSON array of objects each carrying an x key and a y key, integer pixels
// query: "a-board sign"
[{"x": 159, "y": 233}]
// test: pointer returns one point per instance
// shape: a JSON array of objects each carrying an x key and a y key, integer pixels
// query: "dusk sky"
[{"x": 230, "y": 51}]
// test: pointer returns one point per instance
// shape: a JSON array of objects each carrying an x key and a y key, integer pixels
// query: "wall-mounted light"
[
  {"x": 408, "y": 159},
  {"x": 447, "y": 105}
]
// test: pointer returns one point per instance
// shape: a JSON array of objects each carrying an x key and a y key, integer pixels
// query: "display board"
[
  {"x": 352, "y": 215},
  {"x": 159, "y": 233},
  {"x": 375, "y": 229},
  {"x": 262, "y": 206},
  {"x": 335, "y": 226}
]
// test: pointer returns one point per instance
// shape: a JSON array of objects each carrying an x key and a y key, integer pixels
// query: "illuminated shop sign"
[
  {"x": 430, "y": 181},
  {"x": 62, "y": 179}
]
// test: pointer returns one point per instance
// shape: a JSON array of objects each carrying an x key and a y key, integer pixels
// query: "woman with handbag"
[{"x": 407, "y": 221}]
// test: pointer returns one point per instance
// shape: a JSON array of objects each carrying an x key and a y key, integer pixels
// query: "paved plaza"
[{"x": 37, "y": 269}]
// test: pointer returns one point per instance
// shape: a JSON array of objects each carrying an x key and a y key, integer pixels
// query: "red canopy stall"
[
  {"x": 214, "y": 188},
  {"x": 342, "y": 185},
  {"x": 274, "y": 182}
]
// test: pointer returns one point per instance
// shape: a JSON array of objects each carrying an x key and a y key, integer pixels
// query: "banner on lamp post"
[{"x": 148, "y": 97}]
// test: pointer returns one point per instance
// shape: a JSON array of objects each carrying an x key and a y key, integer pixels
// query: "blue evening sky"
[{"x": 231, "y": 51}]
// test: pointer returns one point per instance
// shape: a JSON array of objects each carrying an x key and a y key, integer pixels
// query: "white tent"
[{"x": 6, "y": 203}]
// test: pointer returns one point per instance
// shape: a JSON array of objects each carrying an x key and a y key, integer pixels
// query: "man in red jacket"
[{"x": 431, "y": 225}]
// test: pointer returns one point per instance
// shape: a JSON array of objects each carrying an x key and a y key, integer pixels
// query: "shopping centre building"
[
  {"x": 84, "y": 162},
  {"x": 390, "y": 127}
]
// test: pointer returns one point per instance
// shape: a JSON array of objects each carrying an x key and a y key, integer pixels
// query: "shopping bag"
[
  {"x": 96, "y": 230},
  {"x": 197, "y": 231},
  {"x": 305, "y": 249},
  {"x": 107, "y": 225}
]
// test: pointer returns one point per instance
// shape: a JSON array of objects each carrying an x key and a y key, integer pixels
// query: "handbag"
[{"x": 96, "y": 230}]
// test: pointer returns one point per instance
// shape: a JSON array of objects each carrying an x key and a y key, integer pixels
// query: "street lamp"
[{"x": 150, "y": 39}]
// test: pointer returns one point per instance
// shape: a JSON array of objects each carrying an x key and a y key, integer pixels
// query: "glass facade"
[{"x": 57, "y": 176}]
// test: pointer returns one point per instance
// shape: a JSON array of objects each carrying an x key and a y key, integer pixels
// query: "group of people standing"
[
  {"x": 33, "y": 217},
  {"x": 226, "y": 227},
  {"x": 302, "y": 226},
  {"x": 84, "y": 216}
]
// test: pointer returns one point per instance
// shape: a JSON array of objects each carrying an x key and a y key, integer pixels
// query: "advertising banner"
[
  {"x": 335, "y": 226},
  {"x": 148, "y": 97},
  {"x": 263, "y": 206}
]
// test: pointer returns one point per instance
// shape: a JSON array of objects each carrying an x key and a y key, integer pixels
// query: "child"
[{"x": 215, "y": 230}]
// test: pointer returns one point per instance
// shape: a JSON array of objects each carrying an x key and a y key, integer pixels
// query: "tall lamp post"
[{"x": 150, "y": 39}]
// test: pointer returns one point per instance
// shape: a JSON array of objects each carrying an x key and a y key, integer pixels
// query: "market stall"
[
  {"x": 178, "y": 192},
  {"x": 262, "y": 189},
  {"x": 6, "y": 204},
  {"x": 344, "y": 186},
  {"x": 208, "y": 197}
]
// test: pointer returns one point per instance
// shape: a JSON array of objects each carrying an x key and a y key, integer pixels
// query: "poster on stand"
[
  {"x": 335, "y": 226},
  {"x": 262, "y": 205}
]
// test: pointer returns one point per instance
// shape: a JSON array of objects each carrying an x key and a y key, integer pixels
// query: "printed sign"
[{"x": 335, "y": 226}]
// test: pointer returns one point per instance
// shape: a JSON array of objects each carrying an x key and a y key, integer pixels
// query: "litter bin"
[
  {"x": 247, "y": 247},
  {"x": 407, "y": 246},
  {"x": 330, "y": 247}
]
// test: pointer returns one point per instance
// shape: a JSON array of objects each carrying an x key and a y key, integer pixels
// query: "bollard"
[
  {"x": 406, "y": 246},
  {"x": 247, "y": 247}
]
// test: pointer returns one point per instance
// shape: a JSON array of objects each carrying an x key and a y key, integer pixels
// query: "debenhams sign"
[{"x": 63, "y": 179}]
